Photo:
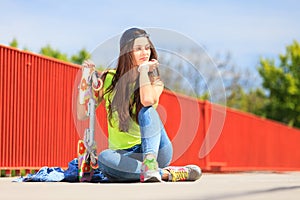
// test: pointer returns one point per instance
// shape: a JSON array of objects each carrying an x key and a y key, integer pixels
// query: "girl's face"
[{"x": 141, "y": 50}]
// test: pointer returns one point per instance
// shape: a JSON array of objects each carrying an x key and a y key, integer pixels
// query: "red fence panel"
[
  {"x": 183, "y": 118},
  {"x": 248, "y": 142},
  {"x": 36, "y": 110}
]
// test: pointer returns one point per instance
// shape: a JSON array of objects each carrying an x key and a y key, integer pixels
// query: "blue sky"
[{"x": 247, "y": 30}]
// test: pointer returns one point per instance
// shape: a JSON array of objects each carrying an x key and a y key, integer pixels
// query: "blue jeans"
[{"x": 125, "y": 165}]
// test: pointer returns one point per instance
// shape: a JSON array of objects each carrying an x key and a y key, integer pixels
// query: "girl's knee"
[
  {"x": 105, "y": 155},
  {"x": 147, "y": 111},
  {"x": 147, "y": 115}
]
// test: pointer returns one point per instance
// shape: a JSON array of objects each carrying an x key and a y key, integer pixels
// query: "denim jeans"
[{"x": 125, "y": 165}]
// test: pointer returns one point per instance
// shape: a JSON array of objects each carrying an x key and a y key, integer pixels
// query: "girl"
[{"x": 139, "y": 147}]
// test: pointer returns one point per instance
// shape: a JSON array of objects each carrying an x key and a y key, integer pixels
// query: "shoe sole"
[
  {"x": 152, "y": 177},
  {"x": 152, "y": 180},
  {"x": 195, "y": 172}
]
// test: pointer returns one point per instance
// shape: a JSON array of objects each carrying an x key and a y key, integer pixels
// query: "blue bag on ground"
[
  {"x": 57, "y": 174},
  {"x": 45, "y": 174},
  {"x": 71, "y": 174}
]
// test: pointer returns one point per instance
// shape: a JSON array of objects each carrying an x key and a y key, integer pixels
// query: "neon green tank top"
[{"x": 116, "y": 138}]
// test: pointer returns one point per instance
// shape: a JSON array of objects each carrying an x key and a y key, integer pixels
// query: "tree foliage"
[
  {"x": 282, "y": 83},
  {"x": 14, "y": 43},
  {"x": 80, "y": 57},
  {"x": 253, "y": 101},
  {"x": 55, "y": 53},
  {"x": 194, "y": 73},
  {"x": 49, "y": 51}
]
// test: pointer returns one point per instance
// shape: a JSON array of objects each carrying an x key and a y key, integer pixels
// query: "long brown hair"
[{"x": 125, "y": 83}]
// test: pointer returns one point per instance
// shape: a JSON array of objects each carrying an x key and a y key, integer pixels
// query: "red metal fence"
[
  {"x": 36, "y": 122},
  {"x": 37, "y": 126}
]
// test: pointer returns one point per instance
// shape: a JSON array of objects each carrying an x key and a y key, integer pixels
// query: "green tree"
[
  {"x": 49, "y": 51},
  {"x": 236, "y": 99},
  {"x": 14, "y": 43},
  {"x": 80, "y": 57},
  {"x": 253, "y": 101},
  {"x": 282, "y": 83}
]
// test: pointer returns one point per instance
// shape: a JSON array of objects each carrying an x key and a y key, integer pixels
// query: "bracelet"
[
  {"x": 154, "y": 73},
  {"x": 158, "y": 82},
  {"x": 98, "y": 86},
  {"x": 143, "y": 66}
]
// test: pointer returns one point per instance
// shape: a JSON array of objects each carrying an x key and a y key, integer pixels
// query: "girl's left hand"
[
  {"x": 153, "y": 64},
  {"x": 149, "y": 65}
]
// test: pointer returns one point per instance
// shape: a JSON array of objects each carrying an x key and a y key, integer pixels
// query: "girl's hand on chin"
[{"x": 152, "y": 64}]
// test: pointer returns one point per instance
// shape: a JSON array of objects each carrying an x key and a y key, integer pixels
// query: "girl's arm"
[{"x": 150, "y": 91}]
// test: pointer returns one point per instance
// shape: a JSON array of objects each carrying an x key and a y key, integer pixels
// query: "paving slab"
[{"x": 252, "y": 186}]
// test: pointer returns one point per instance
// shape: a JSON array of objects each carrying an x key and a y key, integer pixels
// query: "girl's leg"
[
  {"x": 125, "y": 165},
  {"x": 165, "y": 151},
  {"x": 119, "y": 166},
  {"x": 153, "y": 134},
  {"x": 156, "y": 146},
  {"x": 156, "y": 142}
]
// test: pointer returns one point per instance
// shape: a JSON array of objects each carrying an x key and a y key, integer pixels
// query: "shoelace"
[
  {"x": 151, "y": 164},
  {"x": 179, "y": 174}
]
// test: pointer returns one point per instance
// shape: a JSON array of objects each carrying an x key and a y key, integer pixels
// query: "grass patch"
[
  {"x": 23, "y": 172},
  {"x": 3, "y": 174}
]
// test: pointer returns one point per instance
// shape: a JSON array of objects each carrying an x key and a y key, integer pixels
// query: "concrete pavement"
[{"x": 252, "y": 186}]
